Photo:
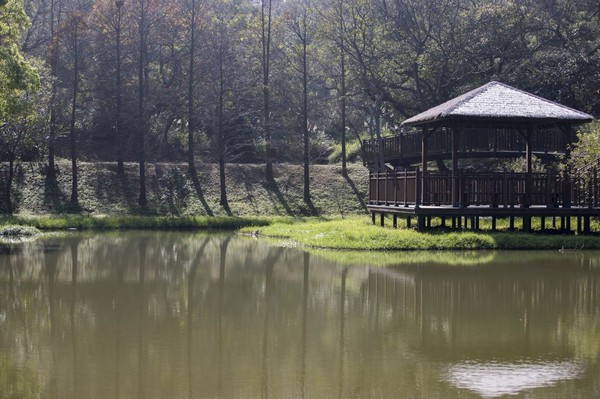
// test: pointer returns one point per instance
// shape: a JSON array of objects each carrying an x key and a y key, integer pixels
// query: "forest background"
[{"x": 206, "y": 84}]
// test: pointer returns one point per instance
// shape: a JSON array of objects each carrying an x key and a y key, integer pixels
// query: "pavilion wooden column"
[
  {"x": 455, "y": 182},
  {"x": 528, "y": 139},
  {"x": 528, "y": 164}
]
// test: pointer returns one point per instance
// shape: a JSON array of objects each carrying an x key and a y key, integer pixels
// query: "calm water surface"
[{"x": 179, "y": 315}]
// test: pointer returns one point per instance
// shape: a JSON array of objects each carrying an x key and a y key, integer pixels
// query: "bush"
[
  {"x": 176, "y": 190},
  {"x": 15, "y": 231}
]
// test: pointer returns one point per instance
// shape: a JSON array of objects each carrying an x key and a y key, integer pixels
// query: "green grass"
[
  {"x": 357, "y": 233},
  {"x": 136, "y": 222}
]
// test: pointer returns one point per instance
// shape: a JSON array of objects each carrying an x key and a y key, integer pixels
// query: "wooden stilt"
[
  {"x": 395, "y": 221},
  {"x": 420, "y": 223},
  {"x": 408, "y": 222},
  {"x": 373, "y": 217},
  {"x": 382, "y": 219},
  {"x": 511, "y": 223},
  {"x": 493, "y": 223},
  {"x": 586, "y": 225},
  {"x": 527, "y": 224}
]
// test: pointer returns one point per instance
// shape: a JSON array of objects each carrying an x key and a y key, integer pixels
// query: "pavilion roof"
[{"x": 496, "y": 101}]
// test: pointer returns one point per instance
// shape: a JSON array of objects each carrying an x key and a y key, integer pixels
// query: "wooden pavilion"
[{"x": 493, "y": 121}]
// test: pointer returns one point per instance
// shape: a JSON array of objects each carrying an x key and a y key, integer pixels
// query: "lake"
[{"x": 194, "y": 315}]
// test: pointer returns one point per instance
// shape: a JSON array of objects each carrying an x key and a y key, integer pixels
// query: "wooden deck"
[{"x": 464, "y": 198}]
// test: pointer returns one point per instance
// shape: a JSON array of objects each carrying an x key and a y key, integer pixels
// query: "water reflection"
[
  {"x": 497, "y": 379},
  {"x": 154, "y": 315}
]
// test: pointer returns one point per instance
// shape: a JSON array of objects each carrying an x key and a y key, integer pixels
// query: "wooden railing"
[
  {"x": 415, "y": 188},
  {"x": 407, "y": 146}
]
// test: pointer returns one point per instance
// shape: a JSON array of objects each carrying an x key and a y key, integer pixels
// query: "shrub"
[{"x": 176, "y": 190}]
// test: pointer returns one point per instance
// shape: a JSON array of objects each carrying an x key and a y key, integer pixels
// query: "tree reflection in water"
[{"x": 185, "y": 315}]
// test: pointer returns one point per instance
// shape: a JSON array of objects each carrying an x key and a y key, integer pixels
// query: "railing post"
[
  {"x": 377, "y": 196},
  {"x": 461, "y": 190},
  {"x": 385, "y": 188},
  {"x": 395, "y": 187},
  {"x": 548, "y": 199},
  {"x": 417, "y": 188},
  {"x": 370, "y": 187},
  {"x": 505, "y": 189},
  {"x": 405, "y": 187}
]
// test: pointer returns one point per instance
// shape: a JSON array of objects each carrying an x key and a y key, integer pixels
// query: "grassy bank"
[
  {"x": 357, "y": 233},
  {"x": 137, "y": 222},
  {"x": 172, "y": 192}
]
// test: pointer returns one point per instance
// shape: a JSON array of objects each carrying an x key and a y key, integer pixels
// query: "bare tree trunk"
[
  {"x": 72, "y": 133},
  {"x": 118, "y": 126},
  {"x": 266, "y": 58},
  {"x": 305, "y": 110},
  {"x": 191, "y": 118},
  {"x": 142, "y": 201},
  {"x": 54, "y": 14},
  {"x": 343, "y": 87},
  {"x": 11, "y": 174},
  {"x": 220, "y": 129}
]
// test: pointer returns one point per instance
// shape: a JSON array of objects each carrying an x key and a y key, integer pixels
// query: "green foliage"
[
  {"x": 352, "y": 152},
  {"x": 16, "y": 74},
  {"x": 176, "y": 190},
  {"x": 586, "y": 152}
]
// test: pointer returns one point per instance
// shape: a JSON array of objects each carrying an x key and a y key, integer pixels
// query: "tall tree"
[
  {"x": 228, "y": 101},
  {"x": 111, "y": 46},
  {"x": 299, "y": 27},
  {"x": 18, "y": 79},
  {"x": 119, "y": 142},
  {"x": 266, "y": 15},
  {"x": 342, "y": 91},
  {"x": 56, "y": 10},
  {"x": 143, "y": 28},
  {"x": 193, "y": 10},
  {"x": 72, "y": 39}
]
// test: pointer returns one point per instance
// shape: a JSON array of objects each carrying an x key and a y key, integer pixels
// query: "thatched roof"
[{"x": 496, "y": 101}]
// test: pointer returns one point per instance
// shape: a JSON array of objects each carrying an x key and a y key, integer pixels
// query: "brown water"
[{"x": 180, "y": 315}]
